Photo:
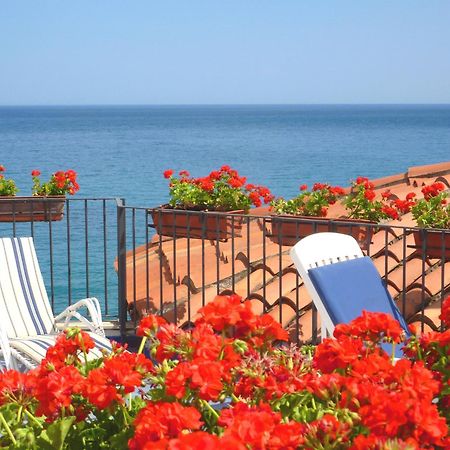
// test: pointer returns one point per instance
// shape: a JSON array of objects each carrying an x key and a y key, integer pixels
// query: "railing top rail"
[
  {"x": 31, "y": 198},
  {"x": 268, "y": 217}
]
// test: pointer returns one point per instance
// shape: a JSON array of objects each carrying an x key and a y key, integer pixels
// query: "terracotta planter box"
[
  {"x": 177, "y": 223},
  {"x": 32, "y": 209},
  {"x": 433, "y": 240},
  {"x": 287, "y": 231}
]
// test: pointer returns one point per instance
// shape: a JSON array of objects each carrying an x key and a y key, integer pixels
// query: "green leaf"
[
  {"x": 55, "y": 435},
  {"x": 120, "y": 440}
]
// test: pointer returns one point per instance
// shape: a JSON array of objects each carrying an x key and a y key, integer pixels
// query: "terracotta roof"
[{"x": 185, "y": 274}]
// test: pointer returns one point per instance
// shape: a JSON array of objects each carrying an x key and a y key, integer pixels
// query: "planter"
[
  {"x": 433, "y": 243},
  {"x": 288, "y": 231},
  {"x": 32, "y": 209},
  {"x": 178, "y": 223}
]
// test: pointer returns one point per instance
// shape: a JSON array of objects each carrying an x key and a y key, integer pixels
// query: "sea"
[{"x": 122, "y": 151}]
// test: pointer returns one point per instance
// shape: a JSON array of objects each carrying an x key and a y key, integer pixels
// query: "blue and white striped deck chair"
[{"x": 27, "y": 325}]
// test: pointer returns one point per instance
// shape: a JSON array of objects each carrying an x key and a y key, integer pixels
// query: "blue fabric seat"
[{"x": 349, "y": 287}]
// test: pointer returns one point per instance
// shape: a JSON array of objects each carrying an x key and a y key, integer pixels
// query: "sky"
[{"x": 224, "y": 51}]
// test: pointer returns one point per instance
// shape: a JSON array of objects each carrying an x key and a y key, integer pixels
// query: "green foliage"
[
  {"x": 433, "y": 212},
  {"x": 7, "y": 186},
  {"x": 60, "y": 183},
  {"x": 313, "y": 203},
  {"x": 53, "y": 438},
  {"x": 221, "y": 190},
  {"x": 361, "y": 203},
  {"x": 222, "y": 197}
]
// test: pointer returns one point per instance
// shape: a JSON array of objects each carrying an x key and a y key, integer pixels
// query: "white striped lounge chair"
[{"x": 27, "y": 325}]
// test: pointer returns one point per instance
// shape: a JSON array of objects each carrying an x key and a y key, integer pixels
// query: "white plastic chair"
[
  {"x": 317, "y": 250},
  {"x": 343, "y": 282},
  {"x": 27, "y": 325}
]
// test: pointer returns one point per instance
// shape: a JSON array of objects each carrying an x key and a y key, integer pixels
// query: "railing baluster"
[
  {"x": 105, "y": 257},
  {"x": 69, "y": 265},
  {"x": 86, "y": 245},
  {"x": 52, "y": 283},
  {"x": 147, "y": 265},
  {"x": 121, "y": 265},
  {"x": 133, "y": 242}
]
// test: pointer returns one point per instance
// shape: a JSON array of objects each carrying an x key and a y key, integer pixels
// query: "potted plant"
[
  {"x": 432, "y": 214},
  {"x": 204, "y": 207},
  {"x": 363, "y": 211},
  {"x": 8, "y": 187},
  {"x": 362, "y": 206},
  {"x": 47, "y": 200},
  {"x": 361, "y": 203},
  {"x": 291, "y": 219}
]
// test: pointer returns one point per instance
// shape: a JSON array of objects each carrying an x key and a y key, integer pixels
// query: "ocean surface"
[{"x": 121, "y": 151}]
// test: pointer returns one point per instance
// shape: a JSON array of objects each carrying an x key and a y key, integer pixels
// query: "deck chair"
[
  {"x": 27, "y": 325},
  {"x": 342, "y": 281}
]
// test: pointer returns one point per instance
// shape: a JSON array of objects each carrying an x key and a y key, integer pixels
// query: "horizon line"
[{"x": 40, "y": 105}]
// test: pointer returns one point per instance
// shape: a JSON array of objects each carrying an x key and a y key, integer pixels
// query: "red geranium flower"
[
  {"x": 149, "y": 324},
  {"x": 445, "y": 312},
  {"x": 159, "y": 421},
  {"x": 372, "y": 327}
]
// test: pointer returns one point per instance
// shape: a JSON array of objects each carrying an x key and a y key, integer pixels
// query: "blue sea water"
[{"x": 123, "y": 150}]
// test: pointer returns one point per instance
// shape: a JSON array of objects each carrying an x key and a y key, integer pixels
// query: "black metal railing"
[
  {"x": 150, "y": 260},
  {"x": 75, "y": 243},
  {"x": 197, "y": 255}
]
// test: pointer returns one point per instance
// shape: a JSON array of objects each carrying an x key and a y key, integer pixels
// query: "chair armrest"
[
  {"x": 5, "y": 347},
  {"x": 93, "y": 307}
]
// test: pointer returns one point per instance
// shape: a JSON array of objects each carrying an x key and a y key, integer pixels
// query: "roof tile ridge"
[
  {"x": 391, "y": 180},
  {"x": 429, "y": 170}
]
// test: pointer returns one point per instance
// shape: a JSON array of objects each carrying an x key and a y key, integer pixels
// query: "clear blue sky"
[{"x": 224, "y": 51}]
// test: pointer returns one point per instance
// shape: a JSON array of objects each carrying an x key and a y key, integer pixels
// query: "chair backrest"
[
  {"x": 321, "y": 249},
  {"x": 24, "y": 306},
  {"x": 342, "y": 281}
]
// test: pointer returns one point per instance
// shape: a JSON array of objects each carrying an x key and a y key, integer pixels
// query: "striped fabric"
[
  {"x": 25, "y": 313},
  {"x": 24, "y": 306},
  {"x": 36, "y": 347}
]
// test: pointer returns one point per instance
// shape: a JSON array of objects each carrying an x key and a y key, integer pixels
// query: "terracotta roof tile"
[{"x": 429, "y": 170}]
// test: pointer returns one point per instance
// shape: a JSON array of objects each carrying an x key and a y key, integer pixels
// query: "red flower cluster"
[
  {"x": 161, "y": 422},
  {"x": 362, "y": 203},
  {"x": 223, "y": 190},
  {"x": 347, "y": 393},
  {"x": 60, "y": 183},
  {"x": 372, "y": 327},
  {"x": 431, "y": 211},
  {"x": 229, "y": 314},
  {"x": 445, "y": 312},
  {"x": 260, "y": 427},
  {"x": 432, "y": 190}
]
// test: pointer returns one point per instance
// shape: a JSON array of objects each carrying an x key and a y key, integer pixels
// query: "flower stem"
[
  {"x": 19, "y": 414},
  {"x": 30, "y": 416},
  {"x": 210, "y": 408},
  {"x": 84, "y": 350},
  {"x": 141, "y": 347},
  {"x": 234, "y": 398},
  {"x": 8, "y": 430},
  {"x": 393, "y": 352}
]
